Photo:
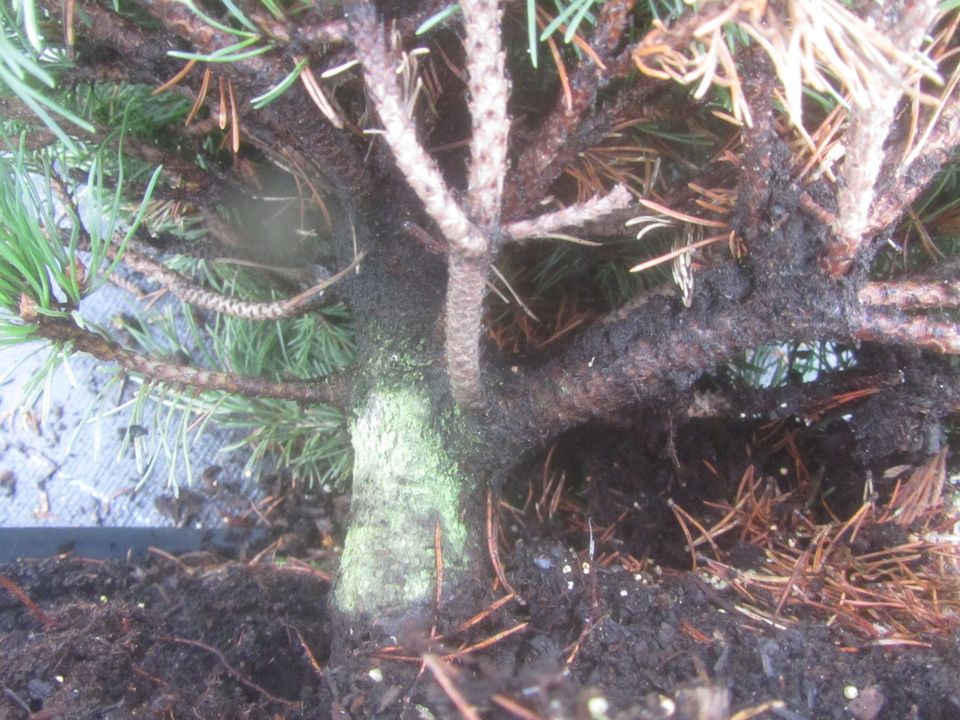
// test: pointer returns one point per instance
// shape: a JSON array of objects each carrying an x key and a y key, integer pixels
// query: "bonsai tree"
[{"x": 790, "y": 162}]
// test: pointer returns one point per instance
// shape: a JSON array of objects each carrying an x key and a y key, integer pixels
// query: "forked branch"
[
  {"x": 400, "y": 133},
  {"x": 469, "y": 247}
]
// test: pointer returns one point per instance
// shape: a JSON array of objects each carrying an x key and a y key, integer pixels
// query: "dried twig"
[
  {"x": 480, "y": 616},
  {"x": 494, "y": 549},
  {"x": 487, "y": 642}
]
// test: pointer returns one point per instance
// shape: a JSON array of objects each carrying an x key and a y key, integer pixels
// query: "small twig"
[
  {"x": 22, "y": 596},
  {"x": 311, "y": 658},
  {"x": 240, "y": 677},
  {"x": 442, "y": 676},
  {"x": 82, "y": 340},
  {"x": 576, "y": 215},
  {"x": 189, "y": 292}
]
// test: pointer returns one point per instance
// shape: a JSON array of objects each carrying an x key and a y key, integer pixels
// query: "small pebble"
[{"x": 597, "y": 707}]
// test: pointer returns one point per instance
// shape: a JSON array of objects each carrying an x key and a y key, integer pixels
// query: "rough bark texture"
[{"x": 405, "y": 486}]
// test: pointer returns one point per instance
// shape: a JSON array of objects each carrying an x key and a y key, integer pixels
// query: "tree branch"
[
  {"x": 922, "y": 332},
  {"x": 591, "y": 211},
  {"x": 488, "y": 88},
  {"x": 468, "y": 254},
  {"x": 189, "y": 292},
  {"x": 540, "y": 164},
  {"x": 911, "y": 294},
  {"x": 62, "y": 331},
  {"x": 400, "y": 134},
  {"x": 898, "y": 187},
  {"x": 466, "y": 288},
  {"x": 869, "y": 124}
]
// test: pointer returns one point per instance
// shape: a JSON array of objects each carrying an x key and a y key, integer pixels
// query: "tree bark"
[{"x": 409, "y": 544}]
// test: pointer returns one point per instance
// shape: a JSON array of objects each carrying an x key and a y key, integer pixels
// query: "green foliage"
[
  {"x": 776, "y": 364},
  {"x": 165, "y": 423},
  {"x": 142, "y": 114},
  {"x": 929, "y": 234},
  {"x": 309, "y": 441},
  {"x": 32, "y": 263},
  {"x": 281, "y": 87},
  {"x": 572, "y": 15},
  {"x": 250, "y": 42},
  {"x": 57, "y": 258},
  {"x": 36, "y": 261},
  {"x": 27, "y": 68}
]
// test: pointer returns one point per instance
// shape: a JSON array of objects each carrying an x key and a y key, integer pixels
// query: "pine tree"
[{"x": 792, "y": 164}]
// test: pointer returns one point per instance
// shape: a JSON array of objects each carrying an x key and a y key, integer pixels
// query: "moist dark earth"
[{"x": 251, "y": 636}]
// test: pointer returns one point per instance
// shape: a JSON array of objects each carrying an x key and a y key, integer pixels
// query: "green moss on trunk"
[{"x": 403, "y": 482}]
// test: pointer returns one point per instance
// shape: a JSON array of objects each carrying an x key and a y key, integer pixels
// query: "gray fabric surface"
[{"x": 46, "y": 481}]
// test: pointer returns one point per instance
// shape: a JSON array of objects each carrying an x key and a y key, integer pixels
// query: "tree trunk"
[{"x": 407, "y": 516}]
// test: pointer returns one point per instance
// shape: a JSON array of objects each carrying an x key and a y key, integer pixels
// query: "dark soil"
[
  {"x": 124, "y": 642},
  {"x": 204, "y": 637}
]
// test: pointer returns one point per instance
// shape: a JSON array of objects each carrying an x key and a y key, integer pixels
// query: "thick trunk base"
[{"x": 405, "y": 484}]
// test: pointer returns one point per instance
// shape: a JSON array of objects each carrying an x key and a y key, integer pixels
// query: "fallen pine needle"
[
  {"x": 21, "y": 595},
  {"x": 442, "y": 676}
]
